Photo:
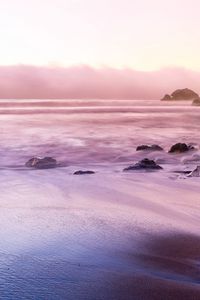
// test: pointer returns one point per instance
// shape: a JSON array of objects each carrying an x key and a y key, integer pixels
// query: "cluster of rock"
[
  {"x": 182, "y": 94},
  {"x": 147, "y": 164},
  {"x": 49, "y": 163},
  {"x": 144, "y": 164},
  {"x": 176, "y": 148}
]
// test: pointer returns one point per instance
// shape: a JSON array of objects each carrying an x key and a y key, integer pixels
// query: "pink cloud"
[{"x": 86, "y": 82}]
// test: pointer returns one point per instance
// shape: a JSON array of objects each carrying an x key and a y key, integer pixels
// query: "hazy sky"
[{"x": 139, "y": 34}]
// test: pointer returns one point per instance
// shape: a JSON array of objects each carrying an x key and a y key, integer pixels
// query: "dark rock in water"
[
  {"x": 167, "y": 97},
  {"x": 196, "y": 102},
  {"x": 146, "y": 164},
  {"x": 182, "y": 172},
  {"x": 182, "y": 94},
  {"x": 149, "y": 147},
  {"x": 180, "y": 148},
  {"x": 195, "y": 172},
  {"x": 80, "y": 172},
  {"x": 41, "y": 163}
]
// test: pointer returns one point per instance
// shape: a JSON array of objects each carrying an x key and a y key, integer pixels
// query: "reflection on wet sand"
[
  {"x": 165, "y": 267},
  {"x": 110, "y": 236}
]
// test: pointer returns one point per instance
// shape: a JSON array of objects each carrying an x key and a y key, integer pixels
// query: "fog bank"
[{"x": 86, "y": 82}]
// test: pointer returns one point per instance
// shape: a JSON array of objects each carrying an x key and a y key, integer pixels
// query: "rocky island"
[{"x": 181, "y": 94}]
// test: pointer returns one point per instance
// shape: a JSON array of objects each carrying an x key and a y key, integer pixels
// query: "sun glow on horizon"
[{"x": 143, "y": 35}]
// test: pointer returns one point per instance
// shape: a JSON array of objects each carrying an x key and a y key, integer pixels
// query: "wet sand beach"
[{"x": 109, "y": 235}]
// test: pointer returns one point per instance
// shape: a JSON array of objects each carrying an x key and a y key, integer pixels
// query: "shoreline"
[{"x": 113, "y": 234}]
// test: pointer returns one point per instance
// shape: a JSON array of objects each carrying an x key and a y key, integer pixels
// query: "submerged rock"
[
  {"x": 191, "y": 159},
  {"x": 144, "y": 164},
  {"x": 181, "y": 94},
  {"x": 195, "y": 172},
  {"x": 149, "y": 148},
  {"x": 183, "y": 172},
  {"x": 41, "y": 163},
  {"x": 80, "y": 172},
  {"x": 180, "y": 148}
]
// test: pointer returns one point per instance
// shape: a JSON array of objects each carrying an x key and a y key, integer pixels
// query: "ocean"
[
  {"x": 111, "y": 235},
  {"x": 95, "y": 131}
]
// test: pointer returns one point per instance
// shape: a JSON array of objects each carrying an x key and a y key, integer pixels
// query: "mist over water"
[
  {"x": 81, "y": 131},
  {"x": 85, "y": 82},
  {"x": 107, "y": 236}
]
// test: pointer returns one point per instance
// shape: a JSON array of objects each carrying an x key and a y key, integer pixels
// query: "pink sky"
[
  {"x": 139, "y": 34},
  {"x": 90, "y": 48}
]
